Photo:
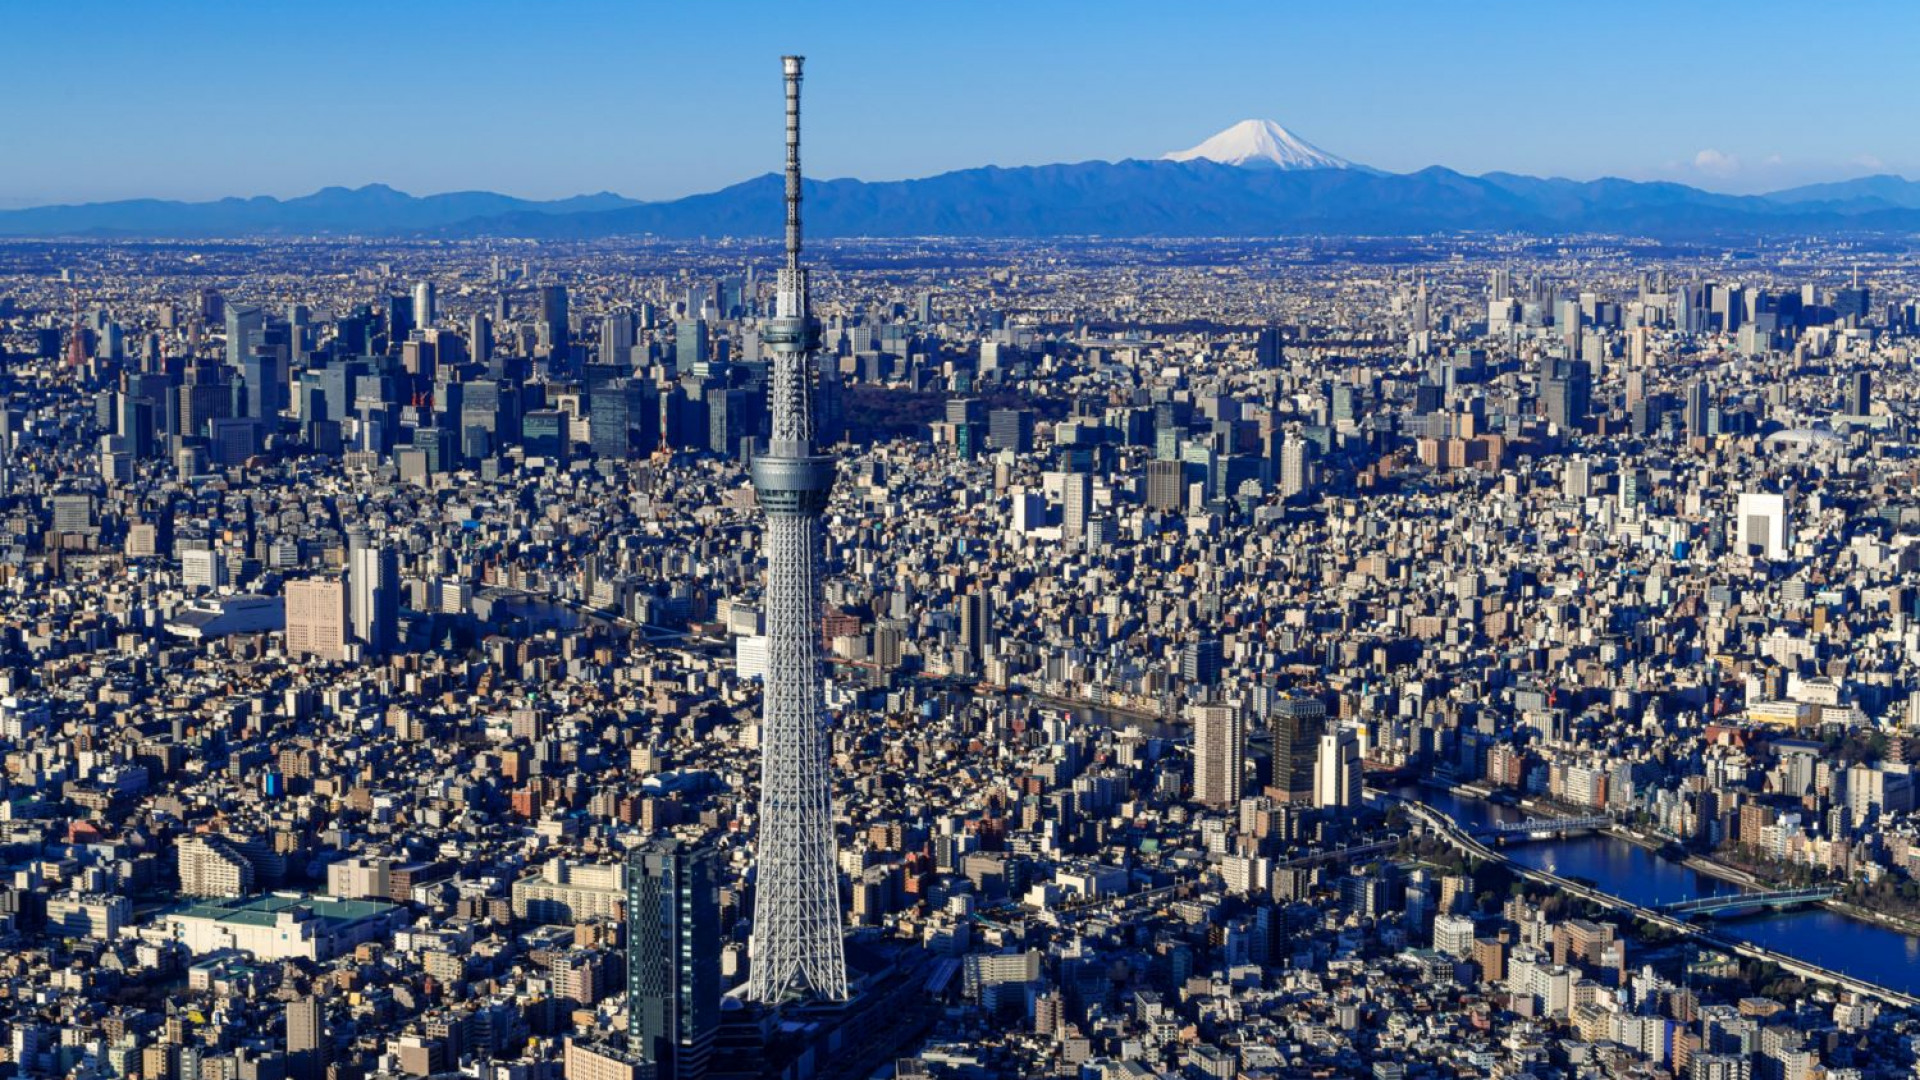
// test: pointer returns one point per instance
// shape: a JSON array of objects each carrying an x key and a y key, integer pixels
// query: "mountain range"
[{"x": 1253, "y": 179}]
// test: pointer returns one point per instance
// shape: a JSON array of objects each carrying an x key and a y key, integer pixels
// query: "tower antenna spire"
[{"x": 793, "y": 64}]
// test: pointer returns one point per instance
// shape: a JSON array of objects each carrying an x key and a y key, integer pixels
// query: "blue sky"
[{"x": 206, "y": 98}]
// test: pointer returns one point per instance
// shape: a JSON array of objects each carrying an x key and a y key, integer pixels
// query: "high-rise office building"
[
  {"x": 796, "y": 943},
  {"x": 203, "y": 568},
  {"x": 243, "y": 321},
  {"x": 1200, "y": 662},
  {"x": 732, "y": 416},
  {"x": 1699, "y": 401},
  {"x": 1567, "y": 393},
  {"x": 966, "y": 410},
  {"x": 1166, "y": 485},
  {"x": 480, "y": 338},
  {"x": 425, "y": 304},
  {"x": 547, "y": 433},
  {"x": 299, "y": 331},
  {"x": 373, "y": 583},
  {"x": 610, "y": 420},
  {"x": 690, "y": 348},
  {"x": 1219, "y": 755},
  {"x": 73, "y": 513},
  {"x": 1267, "y": 352},
  {"x": 673, "y": 956},
  {"x": 1337, "y": 777},
  {"x": 616, "y": 338},
  {"x": 262, "y": 372},
  {"x": 1011, "y": 429},
  {"x": 400, "y": 320},
  {"x": 555, "y": 334},
  {"x": 1577, "y": 478},
  {"x": 1860, "y": 393},
  {"x": 317, "y": 619},
  {"x": 1296, "y": 724},
  {"x": 1761, "y": 525},
  {"x": 976, "y": 630},
  {"x": 1850, "y": 305}
]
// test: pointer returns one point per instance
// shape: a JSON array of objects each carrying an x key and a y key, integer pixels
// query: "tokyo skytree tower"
[{"x": 796, "y": 945}]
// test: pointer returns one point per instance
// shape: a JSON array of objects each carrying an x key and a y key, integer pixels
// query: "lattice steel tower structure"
[{"x": 796, "y": 946}]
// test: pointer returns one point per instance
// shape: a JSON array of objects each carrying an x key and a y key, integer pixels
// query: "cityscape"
[{"x": 499, "y": 640}]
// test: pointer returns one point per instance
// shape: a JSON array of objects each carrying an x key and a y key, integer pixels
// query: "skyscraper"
[
  {"x": 1267, "y": 352},
  {"x": 1219, "y": 755},
  {"x": 1337, "y": 777},
  {"x": 1200, "y": 661},
  {"x": 425, "y": 306},
  {"x": 243, "y": 321},
  {"x": 1076, "y": 506},
  {"x": 616, "y": 338},
  {"x": 673, "y": 957},
  {"x": 400, "y": 320},
  {"x": 1296, "y": 724},
  {"x": 796, "y": 942},
  {"x": 1568, "y": 393},
  {"x": 1011, "y": 429},
  {"x": 373, "y": 599},
  {"x": 265, "y": 386},
  {"x": 1166, "y": 483},
  {"x": 976, "y": 626},
  {"x": 317, "y": 619},
  {"x": 1296, "y": 467},
  {"x": 1860, "y": 393},
  {"x": 554, "y": 331},
  {"x": 690, "y": 356},
  {"x": 1762, "y": 527},
  {"x": 479, "y": 338},
  {"x": 1699, "y": 400}
]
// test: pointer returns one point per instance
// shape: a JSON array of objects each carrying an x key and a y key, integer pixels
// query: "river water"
[{"x": 1863, "y": 950}]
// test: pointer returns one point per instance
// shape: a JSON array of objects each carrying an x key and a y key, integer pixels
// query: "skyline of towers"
[{"x": 796, "y": 940}]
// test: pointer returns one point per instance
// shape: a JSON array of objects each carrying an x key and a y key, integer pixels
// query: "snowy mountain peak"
[{"x": 1262, "y": 144}]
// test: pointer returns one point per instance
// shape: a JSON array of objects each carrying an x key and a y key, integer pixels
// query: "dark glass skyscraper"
[
  {"x": 673, "y": 956},
  {"x": 1297, "y": 724},
  {"x": 553, "y": 320}
]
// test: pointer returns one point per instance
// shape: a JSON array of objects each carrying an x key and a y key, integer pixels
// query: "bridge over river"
[
  {"x": 1742, "y": 903},
  {"x": 1451, "y": 831}
]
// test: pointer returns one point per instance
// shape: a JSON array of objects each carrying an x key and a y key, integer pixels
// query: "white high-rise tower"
[{"x": 796, "y": 945}]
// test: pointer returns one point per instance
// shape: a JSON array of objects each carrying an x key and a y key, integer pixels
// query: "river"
[{"x": 1826, "y": 938}]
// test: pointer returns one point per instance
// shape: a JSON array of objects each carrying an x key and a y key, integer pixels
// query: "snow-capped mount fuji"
[{"x": 1262, "y": 144}]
